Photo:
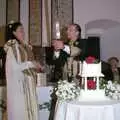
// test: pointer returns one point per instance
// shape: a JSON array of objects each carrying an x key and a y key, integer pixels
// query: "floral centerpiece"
[
  {"x": 112, "y": 90},
  {"x": 66, "y": 91}
]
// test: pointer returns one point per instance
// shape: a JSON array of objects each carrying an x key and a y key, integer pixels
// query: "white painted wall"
[
  {"x": 110, "y": 43},
  {"x": 89, "y": 10},
  {"x": 86, "y": 11}
]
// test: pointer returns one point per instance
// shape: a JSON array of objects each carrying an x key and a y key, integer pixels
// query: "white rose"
[
  {"x": 118, "y": 87},
  {"x": 110, "y": 93},
  {"x": 116, "y": 91},
  {"x": 110, "y": 82},
  {"x": 115, "y": 97},
  {"x": 112, "y": 88}
]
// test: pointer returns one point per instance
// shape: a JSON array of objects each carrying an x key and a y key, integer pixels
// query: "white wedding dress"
[{"x": 21, "y": 90}]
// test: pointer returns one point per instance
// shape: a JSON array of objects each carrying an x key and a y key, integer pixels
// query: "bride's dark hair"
[{"x": 10, "y": 28}]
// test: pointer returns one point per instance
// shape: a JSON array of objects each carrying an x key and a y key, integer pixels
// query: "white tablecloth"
[
  {"x": 43, "y": 94},
  {"x": 105, "y": 110}
]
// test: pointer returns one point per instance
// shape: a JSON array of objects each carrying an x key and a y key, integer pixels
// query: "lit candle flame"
[{"x": 57, "y": 30}]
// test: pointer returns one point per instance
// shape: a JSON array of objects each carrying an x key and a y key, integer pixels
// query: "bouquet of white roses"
[
  {"x": 113, "y": 90},
  {"x": 67, "y": 91}
]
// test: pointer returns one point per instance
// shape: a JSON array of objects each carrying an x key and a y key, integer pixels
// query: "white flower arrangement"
[
  {"x": 113, "y": 90},
  {"x": 67, "y": 90}
]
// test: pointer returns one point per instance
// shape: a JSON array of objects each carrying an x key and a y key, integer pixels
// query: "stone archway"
[{"x": 99, "y": 26}]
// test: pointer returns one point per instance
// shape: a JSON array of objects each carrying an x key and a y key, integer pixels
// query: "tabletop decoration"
[
  {"x": 112, "y": 90},
  {"x": 66, "y": 91}
]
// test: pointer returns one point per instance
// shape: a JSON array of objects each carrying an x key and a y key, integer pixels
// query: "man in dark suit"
[
  {"x": 60, "y": 54},
  {"x": 56, "y": 58}
]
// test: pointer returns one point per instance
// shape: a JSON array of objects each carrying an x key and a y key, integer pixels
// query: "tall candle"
[
  {"x": 57, "y": 30},
  {"x": 98, "y": 83},
  {"x": 85, "y": 83},
  {"x": 80, "y": 70}
]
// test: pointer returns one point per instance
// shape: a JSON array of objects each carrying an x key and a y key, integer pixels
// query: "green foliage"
[
  {"x": 45, "y": 105},
  {"x": 102, "y": 83}
]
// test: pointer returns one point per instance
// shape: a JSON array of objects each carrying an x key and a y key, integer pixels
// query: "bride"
[{"x": 20, "y": 75}]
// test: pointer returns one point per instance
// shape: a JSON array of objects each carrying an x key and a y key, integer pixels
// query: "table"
[
  {"x": 99, "y": 110},
  {"x": 43, "y": 94}
]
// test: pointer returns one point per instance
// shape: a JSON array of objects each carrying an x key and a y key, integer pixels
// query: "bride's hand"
[{"x": 39, "y": 67}]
